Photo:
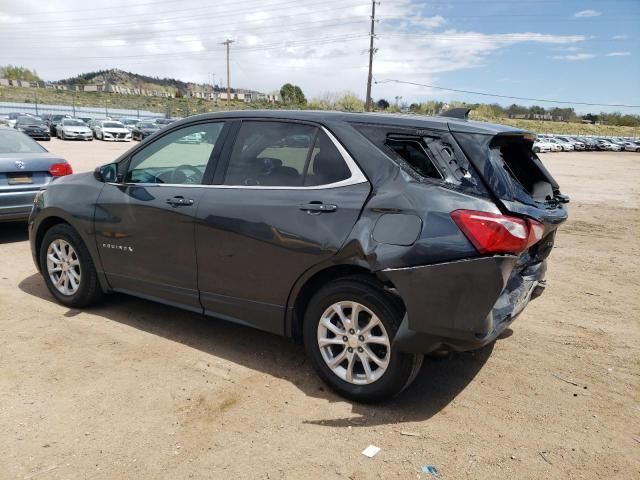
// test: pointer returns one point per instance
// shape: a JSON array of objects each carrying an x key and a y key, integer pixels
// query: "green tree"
[
  {"x": 292, "y": 94},
  {"x": 382, "y": 104},
  {"x": 14, "y": 72}
]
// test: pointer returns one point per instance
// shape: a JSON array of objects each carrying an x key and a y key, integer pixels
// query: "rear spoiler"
[{"x": 461, "y": 113}]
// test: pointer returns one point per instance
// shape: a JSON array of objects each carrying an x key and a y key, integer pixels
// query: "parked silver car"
[
  {"x": 73, "y": 129},
  {"x": 25, "y": 166}
]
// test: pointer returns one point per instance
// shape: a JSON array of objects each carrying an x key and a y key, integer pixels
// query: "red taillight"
[
  {"x": 60, "y": 169},
  {"x": 496, "y": 233}
]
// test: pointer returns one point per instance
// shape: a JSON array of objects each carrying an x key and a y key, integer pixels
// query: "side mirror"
[{"x": 107, "y": 173}]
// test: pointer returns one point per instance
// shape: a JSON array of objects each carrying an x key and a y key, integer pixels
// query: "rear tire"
[
  {"x": 384, "y": 376},
  {"x": 86, "y": 289}
]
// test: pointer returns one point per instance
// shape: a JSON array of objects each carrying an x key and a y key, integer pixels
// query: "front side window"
[
  {"x": 180, "y": 157},
  {"x": 284, "y": 154}
]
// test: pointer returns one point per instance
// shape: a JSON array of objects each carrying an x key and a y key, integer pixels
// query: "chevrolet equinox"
[{"x": 372, "y": 239}]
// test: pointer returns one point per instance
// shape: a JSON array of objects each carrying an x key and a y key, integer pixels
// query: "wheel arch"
[
  {"x": 44, "y": 226},
  {"x": 304, "y": 289}
]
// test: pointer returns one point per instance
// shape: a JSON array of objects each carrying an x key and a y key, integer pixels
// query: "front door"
[
  {"x": 285, "y": 201},
  {"x": 145, "y": 225}
]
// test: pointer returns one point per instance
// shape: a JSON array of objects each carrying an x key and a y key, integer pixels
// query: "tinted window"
[
  {"x": 180, "y": 157},
  {"x": 73, "y": 123},
  {"x": 326, "y": 164},
  {"x": 284, "y": 154},
  {"x": 29, "y": 121},
  {"x": 12, "y": 141},
  {"x": 112, "y": 125}
]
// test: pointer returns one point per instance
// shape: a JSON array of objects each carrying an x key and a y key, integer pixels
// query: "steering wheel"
[{"x": 179, "y": 175}]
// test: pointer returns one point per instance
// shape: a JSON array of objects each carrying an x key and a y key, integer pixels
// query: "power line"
[
  {"x": 279, "y": 29},
  {"x": 390, "y": 80},
  {"x": 199, "y": 16}
]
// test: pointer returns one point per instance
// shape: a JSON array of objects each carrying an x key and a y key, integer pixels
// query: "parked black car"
[
  {"x": 142, "y": 130},
  {"x": 377, "y": 240},
  {"x": 53, "y": 123},
  {"x": 34, "y": 127}
]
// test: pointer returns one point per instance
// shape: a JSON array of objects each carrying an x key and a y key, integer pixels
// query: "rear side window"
[
  {"x": 515, "y": 155},
  {"x": 413, "y": 151},
  {"x": 282, "y": 154}
]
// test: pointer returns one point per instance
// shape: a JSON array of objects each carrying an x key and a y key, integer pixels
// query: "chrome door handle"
[
  {"x": 317, "y": 207},
  {"x": 179, "y": 201}
]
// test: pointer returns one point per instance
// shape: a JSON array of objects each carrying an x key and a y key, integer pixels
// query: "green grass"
[
  {"x": 566, "y": 128},
  {"x": 176, "y": 106}
]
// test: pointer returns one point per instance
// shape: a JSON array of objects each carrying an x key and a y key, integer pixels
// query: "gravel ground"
[{"x": 131, "y": 389}]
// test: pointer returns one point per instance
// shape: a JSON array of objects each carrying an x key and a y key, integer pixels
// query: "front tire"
[
  {"x": 67, "y": 267},
  {"x": 354, "y": 355}
]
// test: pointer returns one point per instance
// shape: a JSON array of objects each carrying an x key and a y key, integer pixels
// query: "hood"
[
  {"x": 115, "y": 130},
  {"x": 79, "y": 128}
]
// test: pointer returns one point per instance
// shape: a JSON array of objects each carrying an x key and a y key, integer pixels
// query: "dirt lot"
[{"x": 132, "y": 389}]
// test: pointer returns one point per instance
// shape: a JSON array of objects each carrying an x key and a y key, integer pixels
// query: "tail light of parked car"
[
  {"x": 492, "y": 233},
  {"x": 60, "y": 169}
]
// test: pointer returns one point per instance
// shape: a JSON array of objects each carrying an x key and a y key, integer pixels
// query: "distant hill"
[{"x": 126, "y": 79}]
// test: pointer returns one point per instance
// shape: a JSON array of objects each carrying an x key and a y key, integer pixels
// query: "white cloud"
[
  {"x": 319, "y": 46},
  {"x": 587, "y": 14},
  {"x": 619, "y": 37},
  {"x": 113, "y": 42},
  {"x": 577, "y": 56},
  {"x": 618, "y": 54}
]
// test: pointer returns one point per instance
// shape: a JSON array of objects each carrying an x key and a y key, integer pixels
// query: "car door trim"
[{"x": 357, "y": 177}]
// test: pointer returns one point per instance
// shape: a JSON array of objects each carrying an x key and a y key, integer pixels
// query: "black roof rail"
[{"x": 462, "y": 113}]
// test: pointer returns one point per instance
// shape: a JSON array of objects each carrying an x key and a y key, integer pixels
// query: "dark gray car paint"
[{"x": 253, "y": 262}]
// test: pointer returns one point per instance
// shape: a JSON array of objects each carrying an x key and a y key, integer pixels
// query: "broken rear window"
[
  {"x": 412, "y": 151},
  {"x": 519, "y": 160}
]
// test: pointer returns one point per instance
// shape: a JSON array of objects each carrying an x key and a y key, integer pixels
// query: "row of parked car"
[
  {"x": 567, "y": 143},
  {"x": 66, "y": 127}
]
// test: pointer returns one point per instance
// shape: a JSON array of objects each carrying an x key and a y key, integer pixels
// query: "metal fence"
[{"x": 75, "y": 111}]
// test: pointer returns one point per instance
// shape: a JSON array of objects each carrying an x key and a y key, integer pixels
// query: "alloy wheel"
[
  {"x": 354, "y": 343},
  {"x": 63, "y": 267}
]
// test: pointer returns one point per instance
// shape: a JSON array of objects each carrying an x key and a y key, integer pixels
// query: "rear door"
[
  {"x": 285, "y": 200},
  {"x": 145, "y": 225}
]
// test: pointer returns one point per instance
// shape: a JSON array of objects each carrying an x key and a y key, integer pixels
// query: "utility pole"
[
  {"x": 372, "y": 35},
  {"x": 35, "y": 93},
  {"x": 227, "y": 43},
  {"x": 398, "y": 97}
]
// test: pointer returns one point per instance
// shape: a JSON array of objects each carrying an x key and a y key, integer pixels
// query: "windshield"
[
  {"x": 112, "y": 125},
  {"x": 147, "y": 125},
  {"x": 163, "y": 121},
  {"x": 130, "y": 122},
  {"x": 29, "y": 121},
  {"x": 73, "y": 123},
  {"x": 12, "y": 141}
]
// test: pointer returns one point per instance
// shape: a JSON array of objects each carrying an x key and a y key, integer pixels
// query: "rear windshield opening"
[
  {"x": 521, "y": 162},
  {"x": 414, "y": 154}
]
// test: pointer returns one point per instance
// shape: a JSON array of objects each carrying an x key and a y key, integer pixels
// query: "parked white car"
[
  {"x": 542, "y": 145},
  {"x": 631, "y": 147},
  {"x": 73, "y": 129},
  {"x": 564, "y": 145},
  {"x": 112, "y": 131}
]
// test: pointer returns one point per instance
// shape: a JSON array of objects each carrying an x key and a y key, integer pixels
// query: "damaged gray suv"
[{"x": 372, "y": 239}]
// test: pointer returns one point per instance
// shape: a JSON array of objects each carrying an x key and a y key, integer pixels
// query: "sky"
[{"x": 567, "y": 50}]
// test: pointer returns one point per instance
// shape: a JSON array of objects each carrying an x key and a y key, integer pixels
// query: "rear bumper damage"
[{"x": 462, "y": 305}]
